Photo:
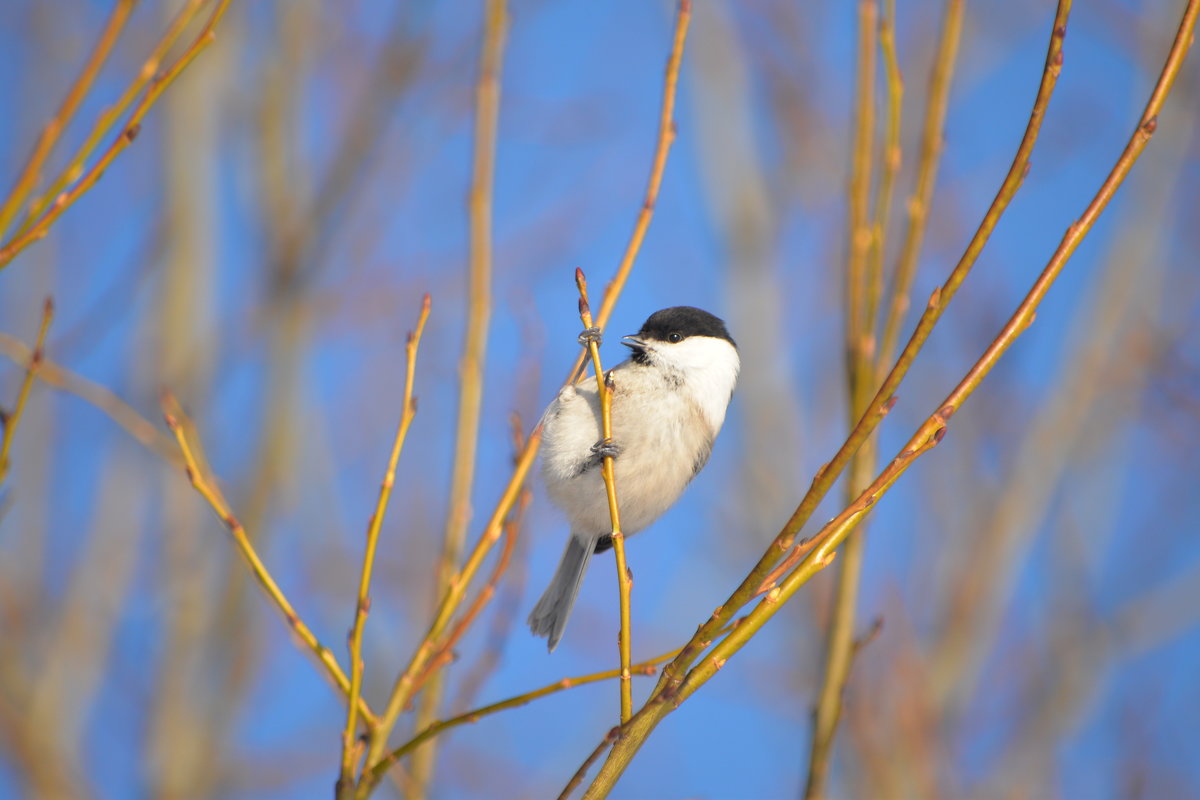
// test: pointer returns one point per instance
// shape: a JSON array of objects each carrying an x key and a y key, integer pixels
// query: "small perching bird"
[{"x": 668, "y": 404}]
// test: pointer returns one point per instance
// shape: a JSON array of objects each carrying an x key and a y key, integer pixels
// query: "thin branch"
[
  {"x": 406, "y": 684},
  {"x": 604, "y": 388},
  {"x": 576, "y": 779},
  {"x": 643, "y": 668},
  {"x": 12, "y": 418},
  {"x": 506, "y": 612},
  {"x": 445, "y": 651},
  {"x": 175, "y": 418},
  {"x": 33, "y": 231},
  {"x": 66, "y": 110},
  {"x": 666, "y": 136},
  {"x": 345, "y": 784},
  {"x": 109, "y": 116}
]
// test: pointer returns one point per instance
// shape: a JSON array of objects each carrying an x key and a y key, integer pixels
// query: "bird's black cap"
[{"x": 685, "y": 321}]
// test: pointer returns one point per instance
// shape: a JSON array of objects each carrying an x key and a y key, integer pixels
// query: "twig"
[
  {"x": 927, "y": 435},
  {"x": 445, "y": 650},
  {"x": 666, "y": 136},
  {"x": 174, "y": 417},
  {"x": 66, "y": 110},
  {"x": 613, "y": 735},
  {"x": 33, "y": 231},
  {"x": 605, "y": 387},
  {"x": 110, "y": 115},
  {"x": 642, "y": 668},
  {"x": 345, "y": 784},
  {"x": 405, "y": 684},
  {"x": 798, "y": 552},
  {"x": 12, "y": 418},
  {"x": 506, "y": 611}
]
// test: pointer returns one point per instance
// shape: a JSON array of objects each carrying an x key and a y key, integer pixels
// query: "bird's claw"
[
  {"x": 606, "y": 448},
  {"x": 590, "y": 335}
]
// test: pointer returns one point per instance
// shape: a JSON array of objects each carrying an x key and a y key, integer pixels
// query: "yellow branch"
[
  {"x": 12, "y": 418},
  {"x": 604, "y": 387},
  {"x": 666, "y": 136},
  {"x": 31, "y": 231},
  {"x": 642, "y": 668},
  {"x": 174, "y": 417},
  {"x": 345, "y": 784},
  {"x": 70, "y": 104}
]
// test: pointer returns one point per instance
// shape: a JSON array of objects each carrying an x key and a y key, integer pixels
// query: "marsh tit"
[{"x": 669, "y": 400}]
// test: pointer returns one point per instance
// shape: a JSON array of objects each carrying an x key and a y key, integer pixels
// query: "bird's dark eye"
[{"x": 674, "y": 337}]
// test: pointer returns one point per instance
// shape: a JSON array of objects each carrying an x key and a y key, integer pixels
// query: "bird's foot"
[
  {"x": 590, "y": 335},
  {"x": 607, "y": 448}
]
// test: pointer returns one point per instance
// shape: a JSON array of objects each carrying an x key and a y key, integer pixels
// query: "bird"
[{"x": 668, "y": 405}]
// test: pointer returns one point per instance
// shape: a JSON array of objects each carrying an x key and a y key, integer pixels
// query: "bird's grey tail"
[{"x": 549, "y": 616}]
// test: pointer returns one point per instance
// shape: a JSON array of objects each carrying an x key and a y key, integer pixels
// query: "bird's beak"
[{"x": 633, "y": 343}]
